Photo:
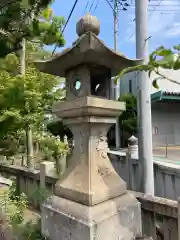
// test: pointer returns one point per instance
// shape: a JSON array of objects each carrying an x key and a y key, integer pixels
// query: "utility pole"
[
  {"x": 144, "y": 100},
  {"x": 117, "y": 129}
]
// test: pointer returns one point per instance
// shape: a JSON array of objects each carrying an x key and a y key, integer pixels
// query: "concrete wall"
[
  {"x": 165, "y": 117},
  {"x": 166, "y": 176},
  {"x": 164, "y": 85},
  {"x": 29, "y": 182},
  {"x": 166, "y": 124},
  {"x": 167, "y": 180},
  {"x": 129, "y": 82}
]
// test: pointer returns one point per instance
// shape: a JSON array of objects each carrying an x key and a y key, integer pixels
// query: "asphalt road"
[{"x": 171, "y": 153}]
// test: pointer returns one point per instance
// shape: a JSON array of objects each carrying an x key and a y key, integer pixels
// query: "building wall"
[
  {"x": 130, "y": 79},
  {"x": 166, "y": 124},
  {"x": 165, "y": 117},
  {"x": 129, "y": 83}
]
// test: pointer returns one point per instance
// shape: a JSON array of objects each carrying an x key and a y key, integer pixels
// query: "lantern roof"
[{"x": 88, "y": 49}]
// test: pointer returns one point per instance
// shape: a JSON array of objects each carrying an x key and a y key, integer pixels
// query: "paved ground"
[
  {"x": 169, "y": 154},
  {"x": 5, "y": 182}
]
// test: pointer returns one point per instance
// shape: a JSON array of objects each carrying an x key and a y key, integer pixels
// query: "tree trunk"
[
  {"x": 57, "y": 160},
  {"x": 29, "y": 147},
  {"x": 29, "y": 142},
  {"x": 22, "y": 58},
  {"x": 37, "y": 147}
]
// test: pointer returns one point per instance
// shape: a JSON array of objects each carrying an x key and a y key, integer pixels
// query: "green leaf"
[
  {"x": 163, "y": 52},
  {"x": 167, "y": 62},
  {"x": 47, "y": 14},
  {"x": 152, "y": 57},
  {"x": 132, "y": 69},
  {"x": 177, "y": 47},
  {"x": 155, "y": 83},
  {"x": 149, "y": 73},
  {"x": 176, "y": 65}
]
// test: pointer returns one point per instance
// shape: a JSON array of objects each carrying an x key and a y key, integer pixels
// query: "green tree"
[
  {"x": 34, "y": 21},
  {"x": 57, "y": 149},
  {"x": 24, "y": 100},
  {"x": 128, "y": 119},
  {"x": 57, "y": 128},
  {"x": 28, "y": 19}
]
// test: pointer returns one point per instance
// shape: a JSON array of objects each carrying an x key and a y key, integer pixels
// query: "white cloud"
[
  {"x": 162, "y": 23},
  {"x": 174, "y": 30}
]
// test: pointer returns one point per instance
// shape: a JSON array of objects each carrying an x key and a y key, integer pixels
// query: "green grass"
[{"x": 8, "y": 208}]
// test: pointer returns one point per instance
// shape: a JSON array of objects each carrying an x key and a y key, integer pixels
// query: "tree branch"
[{"x": 165, "y": 77}]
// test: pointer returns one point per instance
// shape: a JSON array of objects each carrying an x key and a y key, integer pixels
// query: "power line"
[
  {"x": 150, "y": 14},
  {"x": 110, "y": 5},
  {"x": 91, "y": 6},
  {"x": 164, "y": 5},
  {"x": 124, "y": 5},
  {"x": 87, "y": 4},
  {"x": 97, "y": 3},
  {"x": 137, "y": 73},
  {"x": 167, "y": 10},
  {"x": 71, "y": 12}
]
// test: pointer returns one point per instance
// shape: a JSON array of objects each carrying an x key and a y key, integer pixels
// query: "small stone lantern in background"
[
  {"x": 91, "y": 200},
  {"x": 133, "y": 147}
]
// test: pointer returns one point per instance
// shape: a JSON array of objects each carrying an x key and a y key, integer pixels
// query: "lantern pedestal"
[
  {"x": 115, "y": 219},
  {"x": 90, "y": 178}
]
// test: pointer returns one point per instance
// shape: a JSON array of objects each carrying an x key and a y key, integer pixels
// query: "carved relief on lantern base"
[{"x": 90, "y": 178}]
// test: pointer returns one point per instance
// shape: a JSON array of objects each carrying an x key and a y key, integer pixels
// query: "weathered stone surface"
[
  {"x": 90, "y": 178},
  {"x": 89, "y": 49},
  {"x": 89, "y": 106},
  {"x": 86, "y": 24},
  {"x": 116, "y": 219},
  {"x": 144, "y": 238},
  {"x": 91, "y": 201}
]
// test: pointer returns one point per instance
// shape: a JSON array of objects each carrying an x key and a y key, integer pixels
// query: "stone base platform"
[{"x": 116, "y": 219}]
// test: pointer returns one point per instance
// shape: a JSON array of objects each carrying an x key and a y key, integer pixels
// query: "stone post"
[
  {"x": 45, "y": 168},
  {"x": 179, "y": 218},
  {"x": 65, "y": 140},
  {"x": 133, "y": 147},
  {"x": 133, "y": 164}
]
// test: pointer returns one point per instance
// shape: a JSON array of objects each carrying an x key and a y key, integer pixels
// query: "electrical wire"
[
  {"x": 150, "y": 14},
  {"x": 110, "y": 5},
  {"x": 160, "y": 1},
  {"x": 87, "y": 4},
  {"x": 91, "y": 6},
  {"x": 71, "y": 12},
  {"x": 97, "y": 3}
]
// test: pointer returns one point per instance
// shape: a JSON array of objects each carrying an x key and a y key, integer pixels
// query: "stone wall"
[
  {"x": 160, "y": 216},
  {"x": 30, "y": 182},
  {"x": 166, "y": 175}
]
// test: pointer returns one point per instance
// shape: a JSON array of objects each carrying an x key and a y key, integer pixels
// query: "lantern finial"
[{"x": 86, "y": 24}]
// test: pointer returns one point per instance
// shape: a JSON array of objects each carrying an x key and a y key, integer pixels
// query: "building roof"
[{"x": 165, "y": 96}]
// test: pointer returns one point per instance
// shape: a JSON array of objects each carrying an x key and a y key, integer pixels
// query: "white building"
[{"x": 165, "y": 106}]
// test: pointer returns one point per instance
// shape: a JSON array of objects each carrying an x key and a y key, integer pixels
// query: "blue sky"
[{"x": 164, "y": 23}]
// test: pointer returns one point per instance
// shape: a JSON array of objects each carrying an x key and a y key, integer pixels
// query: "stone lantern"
[{"x": 91, "y": 200}]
